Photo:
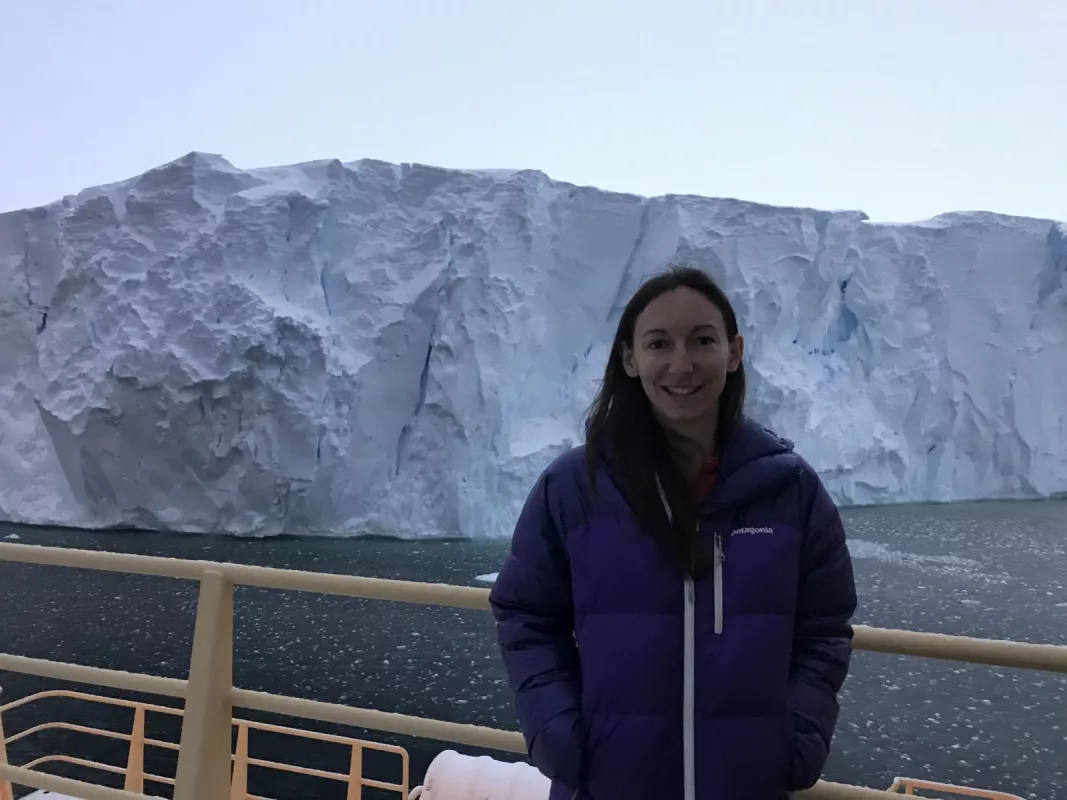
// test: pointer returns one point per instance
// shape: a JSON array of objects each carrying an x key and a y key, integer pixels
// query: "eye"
[
  {"x": 705, "y": 341},
  {"x": 657, "y": 344}
]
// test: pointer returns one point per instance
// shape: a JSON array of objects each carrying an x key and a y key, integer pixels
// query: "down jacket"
[{"x": 632, "y": 681}]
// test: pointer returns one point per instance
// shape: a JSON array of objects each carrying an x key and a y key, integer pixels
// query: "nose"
[{"x": 681, "y": 361}]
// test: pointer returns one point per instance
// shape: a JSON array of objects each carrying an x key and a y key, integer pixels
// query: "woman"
[{"x": 674, "y": 614}]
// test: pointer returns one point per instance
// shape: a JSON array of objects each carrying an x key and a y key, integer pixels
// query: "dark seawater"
[{"x": 984, "y": 569}]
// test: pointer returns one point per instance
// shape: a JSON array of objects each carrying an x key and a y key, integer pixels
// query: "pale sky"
[{"x": 901, "y": 108}]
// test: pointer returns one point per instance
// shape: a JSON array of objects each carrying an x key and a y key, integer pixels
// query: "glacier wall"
[{"x": 344, "y": 348}]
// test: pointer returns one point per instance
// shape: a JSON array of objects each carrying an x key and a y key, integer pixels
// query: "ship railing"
[
  {"x": 204, "y": 754},
  {"x": 908, "y": 786},
  {"x": 135, "y": 776}
]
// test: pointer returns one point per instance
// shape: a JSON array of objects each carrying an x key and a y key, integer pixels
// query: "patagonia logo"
[{"x": 750, "y": 531}]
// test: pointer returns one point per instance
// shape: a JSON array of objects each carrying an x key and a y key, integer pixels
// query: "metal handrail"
[
  {"x": 909, "y": 785},
  {"x": 204, "y": 757},
  {"x": 135, "y": 775}
]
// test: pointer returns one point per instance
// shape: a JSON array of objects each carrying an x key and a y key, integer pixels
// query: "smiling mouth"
[{"x": 681, "y": 391}]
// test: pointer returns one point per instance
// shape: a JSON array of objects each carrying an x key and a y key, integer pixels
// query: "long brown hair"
[{"x": 621, "y": 426}]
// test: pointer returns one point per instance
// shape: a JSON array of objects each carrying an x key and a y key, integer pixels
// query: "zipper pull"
[
  {"x": 719, "y": 552},
  {"x": 692, "y": 593}
]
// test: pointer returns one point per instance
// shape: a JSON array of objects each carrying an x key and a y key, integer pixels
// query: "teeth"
[{"x": 680, "y": 391}]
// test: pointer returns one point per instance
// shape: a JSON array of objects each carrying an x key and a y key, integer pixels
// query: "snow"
[
  {"x": 489, "y": 577},
  {"x": 400, "y": 349}
]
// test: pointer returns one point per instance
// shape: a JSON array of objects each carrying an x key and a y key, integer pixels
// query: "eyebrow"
[{"x": 661, "y": 331}]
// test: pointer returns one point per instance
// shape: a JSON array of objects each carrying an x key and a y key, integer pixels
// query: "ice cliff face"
[{"x": 360, "y": 347}]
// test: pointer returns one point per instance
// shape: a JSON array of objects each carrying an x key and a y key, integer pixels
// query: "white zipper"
[
  {"x": 689, "y": 693},
  {"x": 720, "y": 557}
]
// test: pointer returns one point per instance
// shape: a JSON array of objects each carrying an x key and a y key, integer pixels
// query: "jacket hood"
[{"x": 753, "y": 461}]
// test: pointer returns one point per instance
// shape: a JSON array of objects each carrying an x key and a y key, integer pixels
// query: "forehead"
[{"x": 679, "y": 310}]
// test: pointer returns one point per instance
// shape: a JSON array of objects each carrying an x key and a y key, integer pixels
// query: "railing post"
[
  {"x": 135, "y": 758},
  {"x": 204, "y": 755},
  {"x": 355, "y": 773},
  {"x": 239, "y": 783},
  {"x": 5, "y": 786}
]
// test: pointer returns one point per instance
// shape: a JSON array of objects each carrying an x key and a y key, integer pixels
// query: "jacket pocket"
[{"x": 558, "y": 750}]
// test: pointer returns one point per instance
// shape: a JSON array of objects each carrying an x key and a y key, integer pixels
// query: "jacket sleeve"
[
  {"x": 822, "y": 637},
  {"x": 534, "y": 611}
]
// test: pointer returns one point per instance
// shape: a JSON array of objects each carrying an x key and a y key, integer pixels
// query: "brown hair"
[{"x": 621, "y": 425}]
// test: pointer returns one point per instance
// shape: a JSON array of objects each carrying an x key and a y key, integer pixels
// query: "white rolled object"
[{"x": 453, "y": 776}]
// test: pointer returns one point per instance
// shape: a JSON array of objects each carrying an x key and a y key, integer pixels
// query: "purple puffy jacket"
[{"x": 632, "y": 682}]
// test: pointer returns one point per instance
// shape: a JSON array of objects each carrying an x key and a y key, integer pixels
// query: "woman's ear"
[
  {"x": 627, "y": 356},
  {"x": 737, "y": 351}
]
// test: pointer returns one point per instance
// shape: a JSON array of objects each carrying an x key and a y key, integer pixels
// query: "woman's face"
[{"x": 682, "y": 355}]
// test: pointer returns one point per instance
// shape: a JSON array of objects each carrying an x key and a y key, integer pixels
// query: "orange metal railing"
[
  {"x": 135, "y": 775},
  {"x": 205, "y": 760},
  {"x": 134, "y": 772},
  {"x": 909, "y": 785}
]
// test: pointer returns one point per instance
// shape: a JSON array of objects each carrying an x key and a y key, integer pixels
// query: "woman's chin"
[{"x": 676, "y": 417}]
